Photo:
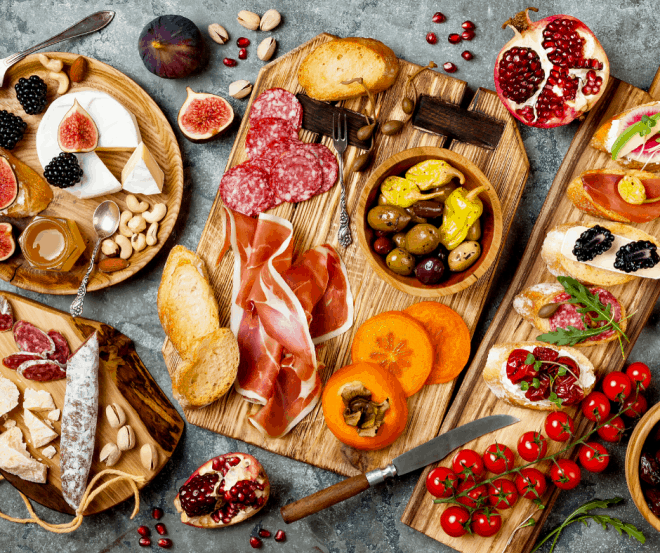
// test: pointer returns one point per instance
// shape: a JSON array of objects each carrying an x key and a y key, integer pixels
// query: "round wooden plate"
[{"x": 157, "y": 135}]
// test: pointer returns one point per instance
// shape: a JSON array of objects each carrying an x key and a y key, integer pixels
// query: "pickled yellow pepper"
[
  {"x": 402, "y": 192},
  {"x": 462, "y": 209}
]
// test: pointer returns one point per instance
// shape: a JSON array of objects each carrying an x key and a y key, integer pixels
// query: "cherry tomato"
[
  {"x": 594, "y": 457},
  {"x": 613, "y": 430},
  {"x": 596, "y": 407},
  {"x": 486, "y": 523},
  {"x": 532, "y": 446},
  {"x": 635, "y": 406},
  {"x": 565, "y": 474},
  {"x": 617, "y": 386},
  {"x": 531, "y": 483},
  {"x": 502, "y": 494},
  {"x": 441, "y": 482},
  {"x": 467, "y": 464},
  {"x": 559, "y": 426},
  {"x": 454, "y": 521},
  {"x": 640, "y": 375},
  {"x": 498, "y": 458},
  {"x": 472, "y": 498}
]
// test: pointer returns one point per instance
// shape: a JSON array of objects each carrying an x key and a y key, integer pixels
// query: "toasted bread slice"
[
  {"x": 323, "y": 70},
  {"x": 34, "y": 194}
]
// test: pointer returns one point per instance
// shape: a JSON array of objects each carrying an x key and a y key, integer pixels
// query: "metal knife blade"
[{"x": 441, "y": 446}]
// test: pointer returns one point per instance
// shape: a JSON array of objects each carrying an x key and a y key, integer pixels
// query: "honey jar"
[{"x": 52, "y": 243}]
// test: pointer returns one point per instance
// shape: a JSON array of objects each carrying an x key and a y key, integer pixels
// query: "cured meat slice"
[
  {"x": 246, "y": 189},
  {"x": 279, "y": 148},
  {"x": 62, "y": 351},
  {"x": 329, "y": 165},
  {"x": 6, "y": 314},
  {"x": 262, "y": 163},
  {"x": 277, "y": 102},
  {"x": 603, "y": 188},
  {"x": 296, "y": 177},
  {"x": 266, "y": 131},
  {"x": 30, "y": 339},
  {"x": 568, "y": 315},
  {"x": 15, "y": 360},
  {"x": 42, "y": 370}
]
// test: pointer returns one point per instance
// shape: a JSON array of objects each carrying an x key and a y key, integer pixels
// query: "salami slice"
[
  {"x": 62, "y": 351},
  {"x": 296, "y": 177},
  {"x": 42, "y": 370},
  {"x": 6, "y": 314},
  {"x": 30, "y": 339},
  {"x": 262, "y": 163},
  {"x": 266, "y": 131},
  {"x": 277, "y": 102},
  {"x": 328, "y": 163},
  {"x": 15, "y": 360},
  {"x": 246, "y": 189}
]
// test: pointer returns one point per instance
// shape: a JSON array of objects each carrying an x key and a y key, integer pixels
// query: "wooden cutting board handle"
[{"x": 324, "y": 498}]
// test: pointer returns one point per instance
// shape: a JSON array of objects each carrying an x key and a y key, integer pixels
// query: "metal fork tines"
[{"x": 339, "y": 139}]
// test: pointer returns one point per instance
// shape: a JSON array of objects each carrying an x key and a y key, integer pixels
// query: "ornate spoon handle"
[
  {"x": 76, "y": 308},
  {"x": 344, "y": 234}
]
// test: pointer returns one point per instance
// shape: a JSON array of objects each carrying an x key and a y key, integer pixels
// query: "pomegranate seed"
[
  {"x": 145, "y": 542},
  {"x": 229, "y": 62},
  {"x": 280, "y": 536},
  {"x": 449, "y": 67},
  {"x": 467, "y": 55},
  {"x": 160, "y": 528},
  {"x": 144, "y": 531},
  {"x": 256, "y": 543},
  {"x": 439, "y": 17},
  {"x": 467, "y": 25},
  {"x": 431, "y": 38},
  {"x": 242, "y": 42},
  {"x": 242, "y": 54},
  {"x": 233, "y": 461},
  {"x": 157, "y": 513},
  {"x": 217, "y": 464},
  {"x": 454, "y": 38},
  {"x": 467, "y": 35},
  {"x": 165, "y": 543},
  {"x": 264, "y": 533}
]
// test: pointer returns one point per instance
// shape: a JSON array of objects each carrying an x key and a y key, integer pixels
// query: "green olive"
[
  {"x": 427, "y": 209},
  {"x": 407, "y": 105},
  {"x": 399, "y": 239},
  {"x": 361, "y": 162},
  {"x": 446, "y": 189},
  {"x": 414, "y": 217},
  {"x": 382, "y": 200},
  {"x": 389, "y": 218},
  {"x": 400, "y": 261},
  {"x": 474, "y": 232},
  {"x": 364, "y": 133},
  {"x": 464, "y": 256},
  {"x": 422, "y": 239},
  {"x": 391, "y": 127}
]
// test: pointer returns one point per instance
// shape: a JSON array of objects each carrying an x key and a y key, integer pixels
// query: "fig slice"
[
  {"x": 7, "y": 242},
  {"x": 204, "y": 116},
  {"x": 77, "y": 131},
  {"x": 8, "y": 184}
]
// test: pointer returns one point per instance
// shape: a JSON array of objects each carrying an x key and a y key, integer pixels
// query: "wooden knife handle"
[{"x": 324, "y": 498}]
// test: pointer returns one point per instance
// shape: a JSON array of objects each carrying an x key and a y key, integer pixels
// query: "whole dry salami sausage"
[
  {"x": 31, "y": 339},
  {"x": 277, "y": 102},
  {"x": 62, "y": 351},
  {"x": 42, "y": 370},
  {"x": 15, "y": 360},
  {"x": 245, "y": 188},
  {"x": 296, "y": 177},
  {"x": 265, "y": 131},
  {"x": 328, "y": 163},
  {"x": 6, "y": 314}
]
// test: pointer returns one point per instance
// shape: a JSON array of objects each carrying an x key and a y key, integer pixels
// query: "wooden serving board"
[
  {"x": 315, "y": 222},
  {"x": 123, "y": 379},
  {"x": 474, "y": 399},
  {"x": 157, "y": 135}
]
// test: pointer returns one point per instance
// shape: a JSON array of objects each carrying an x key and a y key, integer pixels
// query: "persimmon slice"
[
  {"x": 450, "y": 336},
  {"x": 399, "y": 344}
]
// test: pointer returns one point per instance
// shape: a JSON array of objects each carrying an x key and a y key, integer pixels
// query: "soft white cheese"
[
  {"x": 39, "y": 432},
  {"x": 37, "y": 400},
  {"x": 142, "y": 174}
]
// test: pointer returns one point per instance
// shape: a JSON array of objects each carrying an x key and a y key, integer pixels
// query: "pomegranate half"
[
  {"x": 224, "y": 491},
  {"x": 552, "y": 71}
]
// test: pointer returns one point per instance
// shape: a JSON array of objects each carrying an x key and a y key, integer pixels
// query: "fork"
[
  {"x": 90, "y": 24},
  {"x": 339, "y": 140}
]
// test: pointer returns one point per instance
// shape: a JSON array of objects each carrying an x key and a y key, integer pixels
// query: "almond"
[
  {"x": 78, "y": 69},
  {"x": 113, "y": 264}
]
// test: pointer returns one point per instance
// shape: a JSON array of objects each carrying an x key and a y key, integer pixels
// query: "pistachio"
[
  {"x": 270, "y": 20},
  {"x": 116, "y": 415},
  {"x": 110, "y": 454},
  {"x": 249, "y": 20},
  {"x": 126, "y": 438},
  {"x": 218, "y": 33},
  {"x": 149, "y": 456},
  {"x": 391, "y": 127},
  {"x": 240, "y": 89},
  {"x": 266, "y": 49}
]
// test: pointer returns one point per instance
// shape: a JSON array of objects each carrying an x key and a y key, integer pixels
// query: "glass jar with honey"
[{"x": 52, "y": 243}]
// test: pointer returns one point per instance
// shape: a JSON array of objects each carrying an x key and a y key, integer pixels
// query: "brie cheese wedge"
[
  {"x": 141, "y": 174},
  {"x": 40, "y": 433}
]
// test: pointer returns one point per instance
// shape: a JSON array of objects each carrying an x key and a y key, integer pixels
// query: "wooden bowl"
[
  {"x": 491, "y": 221},
  {"x": 633, "y": 454}
]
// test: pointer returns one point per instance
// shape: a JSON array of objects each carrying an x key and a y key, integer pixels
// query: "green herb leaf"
[
  {"x": 524, "y": 386},
  {"x": 641, "y": 128},
  {"x": 529, "y": 360},
  {"x": 536, "y": 383}
]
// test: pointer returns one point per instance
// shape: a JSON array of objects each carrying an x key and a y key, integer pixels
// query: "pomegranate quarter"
[{"x": 552, "y": 71}]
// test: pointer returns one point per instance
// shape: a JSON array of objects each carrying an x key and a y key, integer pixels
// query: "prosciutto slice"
[
  {"x": 280, "y": 311},
  {"x": 603, "y": 189}
]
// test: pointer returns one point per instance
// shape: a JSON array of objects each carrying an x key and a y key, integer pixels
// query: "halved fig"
[
  {"x": 204, "y": 116},
  {"x": 77, "y": 131},
  {"x": 8, "y": 184},
  {"x": 223, "y": 491},
  {"x": 7, "y": 242}
]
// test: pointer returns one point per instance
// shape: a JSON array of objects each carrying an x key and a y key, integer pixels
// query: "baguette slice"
[
  {"x": 323, "y": 70},
  {"x": 560, "y": 265},
  {"x": 34, "y": 194},
  {"x": 529, "y": 302},
  {"x": 496, "y": 378}
]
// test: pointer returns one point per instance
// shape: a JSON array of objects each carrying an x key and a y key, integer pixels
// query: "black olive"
[
  {"x": 430, "y": 270},
  {"x": 442, "y": 254}
]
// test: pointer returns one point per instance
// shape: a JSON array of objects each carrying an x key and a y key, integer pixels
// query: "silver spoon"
[{"x": 106, "y": 221}]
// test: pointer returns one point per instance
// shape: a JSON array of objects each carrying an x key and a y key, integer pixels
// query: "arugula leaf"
[
  {"x": 642, "y": 128},
  {"x": 570, "y": 335}
]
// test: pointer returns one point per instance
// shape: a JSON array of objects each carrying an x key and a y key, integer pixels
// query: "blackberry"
[
  {"x": 642, "y": 254},
  {"x": 592, "y": 242},
  {"x": 63, "y": 171},
  {"x": 31, "y": 93},
  {"x": 195, "y": 496},
  {"x": 12, "y": 128}
]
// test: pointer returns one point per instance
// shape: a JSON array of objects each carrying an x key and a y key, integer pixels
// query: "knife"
[{"x": 430, "y": 452}]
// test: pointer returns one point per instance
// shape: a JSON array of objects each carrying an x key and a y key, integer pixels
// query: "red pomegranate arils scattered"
[
  {"x": 144, "y": 542},
  {"x": 165, "y": 543},
  {"x": 242, "y": 42},
  {"x": 454, "y": 38},
  {"x": 449, "y": 67},
  {"x": 157, "y": 513},
  {"x": 161, "y": 529},
  {"x": 467, "y": 35},
  {"x": 144, "y": 531},
  {"x": 468, "y": 25},
  {"x": 439, "y": 17},
  {"x": 467, "y": 55},
  {"x": 255, "y": 542},
  {"x": 431, "y": 38},
  {"x": 280, "y": 535},
  {"x": 242, "y": 54},
  {"x": 263, "y": 533},
  {"x": 229, "y": 62}
]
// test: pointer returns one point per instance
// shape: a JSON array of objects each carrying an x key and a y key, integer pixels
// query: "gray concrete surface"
[{"x": 370, "y": 523}]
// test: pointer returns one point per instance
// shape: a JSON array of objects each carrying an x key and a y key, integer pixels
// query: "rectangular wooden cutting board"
[
  {"x": 316, "y": 222},
  {"x": 474, "y": 400}
]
